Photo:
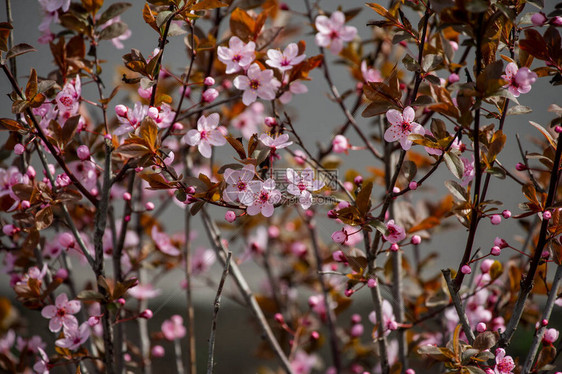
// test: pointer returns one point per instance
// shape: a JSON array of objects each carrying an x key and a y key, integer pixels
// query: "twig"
[
  {"x": 527, "y": 282},
  {"x": 161, "y": 45},
  {"x": 546, "y": 315},
  {"x": 214, "y": 235},
  {"x": 210, "y": 362},
  {"x": 178, "y": 354},
  {"x": 191, "y": 357},
  {"x": 458, "y": 306}
]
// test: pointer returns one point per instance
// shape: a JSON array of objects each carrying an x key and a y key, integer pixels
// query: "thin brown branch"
[{"x": 458, "y": 306}]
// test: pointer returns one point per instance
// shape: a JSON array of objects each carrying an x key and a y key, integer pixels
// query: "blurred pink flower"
[
  {"x": 396, "y": 232},
  {"x": 163, "y": 242},
  {"x": 388, "y": 319},
  {"x": 144, "y": 291},
  {"x": 173, "y": 328},
  {"x": 74, "y": 337},
  {"x": 519, "y": 80}
]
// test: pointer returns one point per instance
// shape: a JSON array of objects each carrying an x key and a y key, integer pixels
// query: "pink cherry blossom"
[
  {"x": 504, "y": 364},
  {"x": 370, "y": 74},
  {"x": 332, "y": 32},
  {"x": 295, "y": 88},
  {"x": 279, "y": 142},
  {"x": 163, "y": 242},
  {"x": 173, "y": 328},
  {"x": 519, "y": 80},
  {"x": 241, "y": 187},
  {"x": 469, "y": 172},
  {"x": 61, "y": 314},
  {"x": 302, "y": 184},
  {"x": 396, "y": 233},
  {"x": 388, "y": 319},
  {"x": 257, "y": 83},
  {"x": 144, "y": 291},
  {"x": 206, "y": 135},
  {"x": 132, "y": 120},
  {"x": 68, "y": 99},
  {"x": 54, "y": 5},
  {"x": 8, "y": 179},
  {"x": 249, "y": 121},
  {"x": 74, "y": 337},
  {"x": 402, "y": 125},
  {"x": 164, "y": 115},
  {"x": 303, "y": 363},
  {"x": 238, "y": 56},
  {"x": 340, "y": 144},
  {"x": 264, "y": 199},
  {"x": 42, "y": 365},
  {"x": 285, "y": 60}
]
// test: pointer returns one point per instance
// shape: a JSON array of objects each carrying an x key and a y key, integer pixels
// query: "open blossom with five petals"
[
  {"x": 401, "y": 126},
  {"x": 74, "y": 337},
  {"x": 279, "y": 142},
  {"x": 173, "y": 328},
  {"x": 257, "y": 83},
  {"x": 285, "y": 60},
  {"x": 301, "y": 185},
  {"x": 206, "y": 135},
  {"x": 61, "y": 314},
  {"x": 131, "y": 119},
  {"x": 370, "y": 74},
  {"x": 68, "y": 99},
  {"x": 504, "y": 364},
  {"x": 332, "y": 32},
  {"x": 519, "y": 80},
  {"x": 388, "y": 319},
  {"x": 264, "y": 199},
  {"x": 395, "y": 234},
  {"x": 237, "y": 56},
  {"x": 241, "y": 187}
]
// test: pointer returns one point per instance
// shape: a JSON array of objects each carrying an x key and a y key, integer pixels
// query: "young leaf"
[
  {"x": 113, "y": 11},
  {"x": 18, "y": 50},
  {"x": 454, "y": 164},
  {"x": 113, "y": 31},
  {"x": 208, "y": 4}
]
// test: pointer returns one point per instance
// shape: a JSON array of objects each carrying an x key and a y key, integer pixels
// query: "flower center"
[
  {"x": 263, "y": 197},
  {"x": 204, "y": 134},
  {"x": 334, "y": 34},
  {"x": 301, "y": 186},
  {"x": 66, "y": 101},
  {"x": 237, "y": 58},
  {"x": 392, "y": 230},
  {"x": 285, "y": 62},
  {"x": 61, "y": 312},
  {"x": 505, "y": 366},
  {"x": 254, "y": 84},
  {"x": 406, "y": 126},
  {"x": 241, "y": 186}
]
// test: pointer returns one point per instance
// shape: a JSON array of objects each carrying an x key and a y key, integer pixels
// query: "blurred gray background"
[{"x": 315, "y": 118}]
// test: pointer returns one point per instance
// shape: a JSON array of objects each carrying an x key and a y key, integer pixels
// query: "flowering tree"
[{"x": 426, "y": 107}]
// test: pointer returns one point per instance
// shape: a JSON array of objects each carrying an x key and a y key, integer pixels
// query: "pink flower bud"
[
  {"x": 279, "y": 318},
  {"x": 454, "y": 78},
  {"x": 315, "y": 335},
  {"x": 177, "y": 126},
  {"x": 343, "y": 204},
  {"x": 410, "y": 371},
  {"x": 146, "y": 314},
  {"x": 19, "y": 149},
  {"x": 339, "y": 236},
  {"x": 93, "y": 320},
  {"x": 481, "y": 327},
  {"x": 349, "y": 292},
  {"x": 127, "y": 218},
  {"x": 121, "y": 301},
  {"x": 145, "y": 94},
  {"x": 546, "y": 215},
  {"x": 230, "y": 216},
  {"x": 500, "y": 242},
  {"x": 158, "y": 351},
  {"x": 489, "y": 371},
  {"x": 416, "y": 239},
  {"x": 153, "y": 112},
  {"x": 283, "y": 6},
  {"x": 149, "y": 206},
  {"x": 210, "y": 95},
  {"x": 273, "y": 231},
  {"x": 9, "y": 230},
  {"x": 394, "y": 247},
  {"x": 66, "y": 240},
  {"x": 83, "y": 152},
  {"x": 466, "y": 269},
  {"x": 332, "y": 214},
  {"x": 413, "y": 185},
  {"x": 270, "y": 121},
  {"x": 544, "y": 322},
  {"x": 506, "y": 214},
  {"x": 121, "y": 110},
  {"x": 486, "y": 265},
  {"x": 372, "y": 283},
  {"x": 558, "y": 129},
  {"x": 396, "y": 189},
  {"x": 358, "y": 180},
  {"x": 538, "y": 19},
  {"x": 392, "y": 325},
  {"x": 108, "y": 137},
  {"x": 62, "y": 273},
  {"x": 520, "y": 166},
  {"x": 545, "y": 254},
  {"x": 356, "y": 318},
  {"x": 556, "y": 21},
  {"x": 357, "y": 330},
  {"x": 340, "y": 144},
  {"x": 495, "y": 219},
  {"x": 209, "y": 81},
  {"x": 127, "y": 196},
  {"x": 138, "y": 169},
  {"x": 25, "y": 204},
  {"x": 31, "y": 173},
  {"x": 127, "y": 357},
  {"x": 339, "y": 256},
  {"x": 550, "y": 336}
]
